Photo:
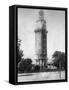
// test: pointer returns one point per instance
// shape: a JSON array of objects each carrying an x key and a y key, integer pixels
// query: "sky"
[{"x": 55, "y": 25}]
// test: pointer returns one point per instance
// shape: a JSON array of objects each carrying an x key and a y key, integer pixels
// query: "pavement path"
[{"x": 41, "y": 76}]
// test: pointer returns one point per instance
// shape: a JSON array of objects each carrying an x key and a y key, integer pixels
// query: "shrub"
[{"x": 37, "y": 68}]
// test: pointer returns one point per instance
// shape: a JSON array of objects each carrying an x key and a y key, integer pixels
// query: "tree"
[
  {"x": 21, "y": 66},
  {"x": 59, "y": 59},
  {"x": 25, "y": 65},
  {"x": 20, "y": 52},
  {"x": 28, "y": 65}
]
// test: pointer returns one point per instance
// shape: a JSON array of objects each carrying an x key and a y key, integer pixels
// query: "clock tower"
[{"x": 41, "y": 41}]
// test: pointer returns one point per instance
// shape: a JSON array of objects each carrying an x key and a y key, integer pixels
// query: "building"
[{"x": 41, "y": 40}]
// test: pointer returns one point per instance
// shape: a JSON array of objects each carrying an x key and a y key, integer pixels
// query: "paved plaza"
[{"x": 55, "y": 75}]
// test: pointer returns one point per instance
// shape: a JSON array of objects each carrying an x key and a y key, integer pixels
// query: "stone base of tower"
[{"x": 43, "y": 65}]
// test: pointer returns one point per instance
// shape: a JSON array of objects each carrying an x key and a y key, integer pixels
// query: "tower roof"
[
  {"x": 41, "y": 22},
  {"x": 41, "y": 15}
]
